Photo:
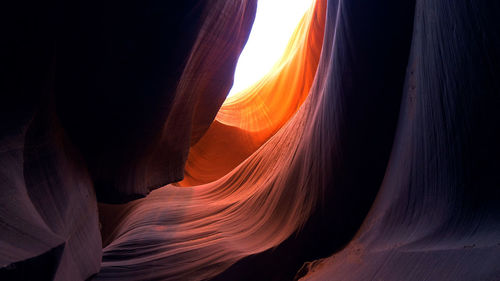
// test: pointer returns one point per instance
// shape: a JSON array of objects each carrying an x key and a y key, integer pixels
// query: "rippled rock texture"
[{"x": 370, "y": 152}]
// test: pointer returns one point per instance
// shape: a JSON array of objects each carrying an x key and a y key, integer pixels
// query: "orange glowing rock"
[{"x": 247, "y": 119}]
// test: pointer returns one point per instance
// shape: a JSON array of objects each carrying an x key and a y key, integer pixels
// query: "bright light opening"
[{"x": 273, "y": 27}]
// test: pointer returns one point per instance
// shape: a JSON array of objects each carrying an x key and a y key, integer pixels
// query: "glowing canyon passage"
[{"x": 250, "y": 140}]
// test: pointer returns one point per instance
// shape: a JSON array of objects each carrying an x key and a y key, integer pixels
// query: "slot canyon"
[{"x": 369, "y": 149}]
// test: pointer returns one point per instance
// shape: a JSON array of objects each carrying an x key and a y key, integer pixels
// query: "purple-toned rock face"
[{"x": 381, "y": 162}]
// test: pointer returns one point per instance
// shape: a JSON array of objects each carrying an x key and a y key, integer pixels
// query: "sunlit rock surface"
[
  {"x": 369, "y": 153},
  {"x": 248, "y": 119}
]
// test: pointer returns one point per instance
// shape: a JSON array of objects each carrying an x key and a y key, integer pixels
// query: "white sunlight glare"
[{"x": 274, "y": 24}]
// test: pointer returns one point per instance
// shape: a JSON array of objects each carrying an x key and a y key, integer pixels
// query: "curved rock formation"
[
  {"x": 248, "y": 119},
  {"x": 370, "y": 153},
  {"x": 149, "y": 97},
  {"x": 436, "y": 216}
]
